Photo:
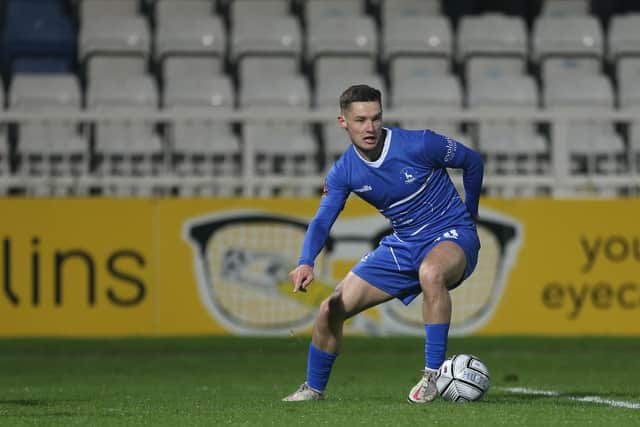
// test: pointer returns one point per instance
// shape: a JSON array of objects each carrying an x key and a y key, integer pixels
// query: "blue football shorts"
[{"x": 393, "y": 265}]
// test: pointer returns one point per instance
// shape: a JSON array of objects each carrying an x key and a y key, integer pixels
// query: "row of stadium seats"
[
  {"x": 331, "y": 27},
  {"x": 56, "y": 93},
  {"x": 203, "y": 57}
]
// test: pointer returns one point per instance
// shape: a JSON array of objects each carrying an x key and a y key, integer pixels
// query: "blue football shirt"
[{"x": 408, "y": 184}]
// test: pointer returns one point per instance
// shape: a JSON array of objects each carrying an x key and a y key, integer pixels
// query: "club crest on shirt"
[{"x": 408, "y": 175}]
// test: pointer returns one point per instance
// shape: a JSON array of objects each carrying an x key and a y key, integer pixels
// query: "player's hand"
[{"x": 301, "y": 276}]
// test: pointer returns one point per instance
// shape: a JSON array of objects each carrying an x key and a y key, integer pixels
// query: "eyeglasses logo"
[{"x": 242, "y": 259}]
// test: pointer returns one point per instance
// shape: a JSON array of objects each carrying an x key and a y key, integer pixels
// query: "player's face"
[{"x": 363, "y": 123}]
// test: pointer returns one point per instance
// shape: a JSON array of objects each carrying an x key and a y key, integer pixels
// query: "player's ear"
[{"x": 342, "y": 122}]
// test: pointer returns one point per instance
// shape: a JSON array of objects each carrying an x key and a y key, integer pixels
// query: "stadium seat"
[
  {"x": 49, "y": 148},
  {"x": 171, "y": 9},
  {"x": 266, "y": 36},
  {"x": 319, "y": 10},
  {"x": 126, "y": 147},
  {"x": 263, "y": 67},
  {"x": 240, "y": 10},
  {"x": 407, "y": 67},
  {"x": 342, "y": 36},
  {"x": 96, "y": 10},
  {"x": 627, "y": 74},
  {"x": 336, "y": 68},
  {"x": 563, "y": 8},
  {"x": 191, "y": 67},
  {"x": 509, "y": 146},
  {"x": 101, "y": 67},
  {"x": 202, "y": 147},
  {"x": 439, "y": 93},
  {"x": 283, "y": 149},
  {"x": 392, "y": 9},
  {"x": 481, "y": 67},
  {"x": 623, "y": 36},
  {"x": 190, "y": 36},
  {"x": 593, "y": 144},
  {"x": 571, "y": 66},
  {"x": 577, "y": 38},
  {"x": 493, "y": 36},
  {"x": 413, "y": 37},
  {"x": 114, "y": 36},
  {"x": 37, "y": 37}
]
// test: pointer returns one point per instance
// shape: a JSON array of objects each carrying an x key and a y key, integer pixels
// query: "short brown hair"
[{"x": 359, "y": 93}]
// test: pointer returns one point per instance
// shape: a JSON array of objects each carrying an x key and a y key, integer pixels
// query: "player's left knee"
[
  {"x": 432, "y": 276},
  {"x": 332, "y": 307}
]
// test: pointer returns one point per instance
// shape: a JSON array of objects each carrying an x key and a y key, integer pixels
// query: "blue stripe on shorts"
[{"x": 393, "y": 265}]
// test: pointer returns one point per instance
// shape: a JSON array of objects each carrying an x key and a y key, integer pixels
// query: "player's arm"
[
  {"x": 446, "y": 152},
  {"x": 318, "y": 230}
]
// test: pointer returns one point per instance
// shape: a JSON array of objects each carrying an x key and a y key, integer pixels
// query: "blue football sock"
[
  {"x": 435, "y": 348},
  {"x": 319, "y": 366}
]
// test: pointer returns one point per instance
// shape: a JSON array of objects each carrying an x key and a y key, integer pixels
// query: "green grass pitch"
[{"x": 219, "y": 381}]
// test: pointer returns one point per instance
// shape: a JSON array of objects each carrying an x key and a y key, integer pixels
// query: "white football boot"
[
  {"x": 425, "y": 391},
  {"x": 304, "y": 392}
]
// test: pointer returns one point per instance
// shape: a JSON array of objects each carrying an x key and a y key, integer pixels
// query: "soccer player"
[{"x": 433, "y": 248}]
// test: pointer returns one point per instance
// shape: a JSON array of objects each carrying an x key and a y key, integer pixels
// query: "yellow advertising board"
[
  {"x": 76, "y": 267},
  {"x": 100, "y": 267}
]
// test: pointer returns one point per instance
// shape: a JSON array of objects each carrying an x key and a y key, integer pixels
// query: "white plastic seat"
[
  {"x": 267, "y": 35},
  {"x": 391, "y": 9},
  {"x": 171, "y": 9},
  {"x": 319, "y": 10},
  {"x": 112, "y": 66},
  {"x": 570, "y": 65},
  {"x": 482, "y": 67},
  {"x": 493, "y": 35},
  {"x": 594, "y": 145},
  {"x": 202, "y": 147},
  {"x": 96, "y": 10},
  {"x": 568, "y": 37},
  {"x": 122, "y": 35},
  {"x": 629, "y": 101},
  {"x": 126, "y": 147},
  {"x": 263, "y": 67},
  {"x": 50, "y": 148},
  {"x": 407, "y": 67},
  {"x": 623, "y": 36},
  {"x": 335, "y": 67},
  {"x": 285, "y": 149},
  {"x": 510, "y": 146},
  {"x": 190, "y": 36},
  {"x": 628, "y": 78},
  {"x": 423, "y": 36},
  {"x": 439, "y": 93},
  {"x": 562, "y": 8},
  {"x": 189, "y": 67},
  {"x": 251, "y": 9},
  {"x": 342, "y": 36}
]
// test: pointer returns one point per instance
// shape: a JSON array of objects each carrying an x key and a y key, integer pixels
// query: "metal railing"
[{"x": 557, "y": 181}]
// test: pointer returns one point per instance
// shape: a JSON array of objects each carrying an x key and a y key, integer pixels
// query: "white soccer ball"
[{"x": 462, "y": 378}]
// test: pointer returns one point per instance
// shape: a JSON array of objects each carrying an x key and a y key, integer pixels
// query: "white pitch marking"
[{"x": 587, "y": 399}]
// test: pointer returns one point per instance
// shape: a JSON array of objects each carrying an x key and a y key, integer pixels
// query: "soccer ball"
[{"x": 462, "y": 378}]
